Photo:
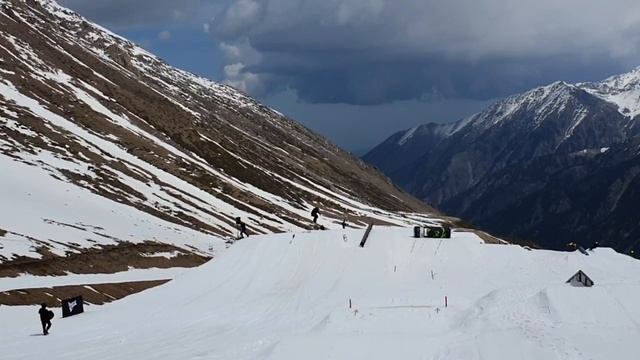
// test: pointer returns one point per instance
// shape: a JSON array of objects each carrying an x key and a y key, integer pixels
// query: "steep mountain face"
[
  {"x": 457, "y": 166},
  {"x": 102, "y": 143},
  {"x": 581, "y": 197},
  {"x": 454, "y": 157}
]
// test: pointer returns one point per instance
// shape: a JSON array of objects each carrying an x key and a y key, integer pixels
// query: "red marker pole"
[{"x": 445, "y": 301}]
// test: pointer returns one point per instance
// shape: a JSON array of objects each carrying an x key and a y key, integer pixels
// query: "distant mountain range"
[{"x": 556, "y": 164}]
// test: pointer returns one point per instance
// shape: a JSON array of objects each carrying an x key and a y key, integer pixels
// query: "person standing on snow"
[
  {"x": 314, "y": 213},
  {"x": 242, "y": 227},
  {"x": 45, "y": 318}
]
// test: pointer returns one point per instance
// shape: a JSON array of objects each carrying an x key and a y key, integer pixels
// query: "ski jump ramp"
[{"x": 286, "y": 297}]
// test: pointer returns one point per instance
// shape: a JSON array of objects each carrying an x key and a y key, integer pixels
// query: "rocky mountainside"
[
  {"x": 469, "y": 168},
  {"x": 584, "y": 197},
  {"x": 102, "y": 144}
]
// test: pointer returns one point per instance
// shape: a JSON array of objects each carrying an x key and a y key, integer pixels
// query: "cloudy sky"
[{"x": 359, "y": 70}]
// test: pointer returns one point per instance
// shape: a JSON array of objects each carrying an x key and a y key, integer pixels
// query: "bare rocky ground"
[
  {"x": 106, "y": 259},
  {"x": 96, "y": 294}
]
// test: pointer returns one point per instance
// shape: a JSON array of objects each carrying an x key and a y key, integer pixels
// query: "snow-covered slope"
[
  {"x": 287, "y": 297},
  {"x": 540, "y": 102},
  {"x": 622, "y": 90},
  {"x": 102, "y": 143}
]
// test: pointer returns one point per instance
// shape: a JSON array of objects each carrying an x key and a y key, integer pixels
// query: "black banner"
[{"x": 72, "y": 306}]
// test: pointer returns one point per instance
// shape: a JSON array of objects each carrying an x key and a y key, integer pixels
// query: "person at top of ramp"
[
  {"x": 242, "y": 228},
  {"x": 315, "y": 213}
]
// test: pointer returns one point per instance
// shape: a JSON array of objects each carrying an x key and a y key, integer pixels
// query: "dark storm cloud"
[
  {"x": 373, "y": 81},
  {"x": 377, "y": 51},
  {"x": 380, "y": 51}
]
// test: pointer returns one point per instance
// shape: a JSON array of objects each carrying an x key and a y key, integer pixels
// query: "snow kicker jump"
[{"x": 323, "y": 296}]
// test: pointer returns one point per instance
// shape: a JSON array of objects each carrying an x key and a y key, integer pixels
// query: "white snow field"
[{"x": 287, "y": 297}]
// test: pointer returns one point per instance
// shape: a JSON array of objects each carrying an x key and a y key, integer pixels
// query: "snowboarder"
[
  {"x": 45, "y": 318},
  {"x": 242, "y": 227},
  {"x": 314, "y": 213}
]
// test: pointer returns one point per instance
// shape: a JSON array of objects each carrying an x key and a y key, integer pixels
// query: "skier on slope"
[
  {"x": 242, "y": 227},
  {"x": 314, "y": 213},
  {"x": 45, "y": 318}
]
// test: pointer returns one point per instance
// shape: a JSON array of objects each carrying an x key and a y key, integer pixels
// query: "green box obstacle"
[{"x": 439, "y": 232}]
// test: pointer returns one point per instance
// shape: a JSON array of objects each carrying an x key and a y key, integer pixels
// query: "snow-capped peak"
[
  {"x": 622, "y": 90},
  {"x": 541, "y": 101}
]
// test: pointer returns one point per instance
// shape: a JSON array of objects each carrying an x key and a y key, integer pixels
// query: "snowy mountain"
[
  {"x": 449, "y": 165},
  {"x": 318, "y": 295},
  {"x": 622, "y": 90},
  {"x": 104, "y": 146},
  {"x": 556, "y": 118}
]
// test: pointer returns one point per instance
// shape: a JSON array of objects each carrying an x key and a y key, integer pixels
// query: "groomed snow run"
[{"x": 287, "y": 297}]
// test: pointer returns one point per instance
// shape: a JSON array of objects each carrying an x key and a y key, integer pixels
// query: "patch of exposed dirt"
[
  {"x": 3, "y": 232},
  {"x": 104, "y": 259},
  {"x": 97, "y": 294}
]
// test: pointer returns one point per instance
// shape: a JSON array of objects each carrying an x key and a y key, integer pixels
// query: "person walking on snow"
[
  {"x": 314, "y": 213},
  {"x": 242, "y": 227},
  {"x": 45, "y": 318}
]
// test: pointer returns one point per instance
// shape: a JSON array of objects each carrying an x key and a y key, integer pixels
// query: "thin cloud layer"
[{"x": 377, "y": 51}]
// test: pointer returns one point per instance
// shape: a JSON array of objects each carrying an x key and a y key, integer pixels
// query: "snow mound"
[{"x": 287, "y": 296}]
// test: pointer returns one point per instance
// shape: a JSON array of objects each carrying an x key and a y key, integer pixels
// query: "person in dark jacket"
[
  {"x": 242, "y": 227},
  {"x": 314, "y": 213},
  {"x": 45, "y": 318}
]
